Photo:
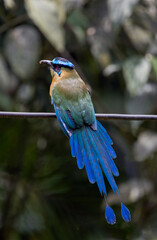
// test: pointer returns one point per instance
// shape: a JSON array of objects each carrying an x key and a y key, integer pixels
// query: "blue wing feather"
[
  {"x": 62, "y": 124},
  {"x": 65, "y": 115}
]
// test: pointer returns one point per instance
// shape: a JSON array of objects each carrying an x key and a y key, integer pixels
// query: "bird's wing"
[{"x": 74, "y": 108}]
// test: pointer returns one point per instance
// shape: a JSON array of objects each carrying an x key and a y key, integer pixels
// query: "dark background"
[{"x": 113, "y": 44}]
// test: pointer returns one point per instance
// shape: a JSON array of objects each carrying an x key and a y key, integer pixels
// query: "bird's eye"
[{"x": 57, "y": 69}]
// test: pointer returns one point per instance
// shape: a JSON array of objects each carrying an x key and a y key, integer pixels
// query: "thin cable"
[{"x": 110, "y": 116}]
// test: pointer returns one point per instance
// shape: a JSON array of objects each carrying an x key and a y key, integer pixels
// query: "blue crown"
[{"x": 62, "y": 62}]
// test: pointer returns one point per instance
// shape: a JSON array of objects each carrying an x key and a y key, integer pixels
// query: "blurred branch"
[
  {"x": 13, "y": 22},
  {"x": 102, "y": 116}
]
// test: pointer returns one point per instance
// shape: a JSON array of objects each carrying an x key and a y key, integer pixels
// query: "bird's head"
[{"x": 57, "y": 64}]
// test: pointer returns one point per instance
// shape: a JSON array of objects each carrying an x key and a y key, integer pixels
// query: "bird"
[{"x": 89, "y": 140}]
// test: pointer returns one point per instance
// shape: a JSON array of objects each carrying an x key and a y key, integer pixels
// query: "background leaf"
[
  {"x": 48, "y": 15},
  {"x": 136, "y": 73},
  {"x": 154, "y": 65},
  {"x": 125, "y": 8},
  {"x": 22, "y": 48}
]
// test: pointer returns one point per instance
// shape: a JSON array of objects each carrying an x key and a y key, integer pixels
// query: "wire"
[{"x": 110, "y": 116}]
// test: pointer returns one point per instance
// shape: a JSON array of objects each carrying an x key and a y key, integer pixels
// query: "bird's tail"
[{"x": 93, "y": 149}]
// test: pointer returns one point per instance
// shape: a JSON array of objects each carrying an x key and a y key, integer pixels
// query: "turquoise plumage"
[{"x": 89, "y": 141}]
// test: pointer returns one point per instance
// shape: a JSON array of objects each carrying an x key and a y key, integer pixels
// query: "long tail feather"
[
  {"x": 72, "y": 146},
  {"x": 80, "y": 162},
  {"x": 107, "y": 145},
  {"x": 89, "y": 170},
  {"x": 107, "y": 137},
  {"x": 125, "y": 213},
  {"x": 110, "y": 215},
  {"x": 93, "y": 150},
  {"x": 108, "y": 156},
  {"x": 101, "y": 153},
  {"x": 94, "y": 163}
]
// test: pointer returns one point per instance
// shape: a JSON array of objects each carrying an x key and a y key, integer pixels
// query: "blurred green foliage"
[{"x": 113, "y": 44}]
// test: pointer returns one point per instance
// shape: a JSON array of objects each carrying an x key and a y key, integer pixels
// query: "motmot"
[{"x": 89, "y": 141}]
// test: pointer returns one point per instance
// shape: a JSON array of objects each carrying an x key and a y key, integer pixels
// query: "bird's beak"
[{"x": 47, "y": 62}]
